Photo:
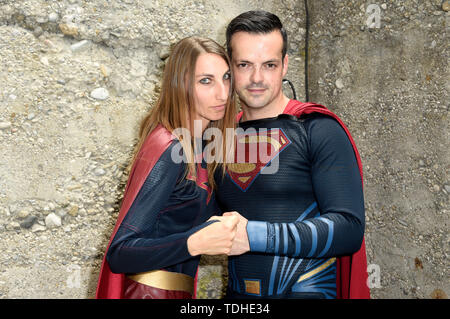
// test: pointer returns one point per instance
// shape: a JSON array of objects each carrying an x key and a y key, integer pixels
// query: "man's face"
[{"x": 258, "y": 68}]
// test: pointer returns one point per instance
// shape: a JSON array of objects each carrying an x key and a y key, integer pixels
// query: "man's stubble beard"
[{"x": 254, "y": 103}]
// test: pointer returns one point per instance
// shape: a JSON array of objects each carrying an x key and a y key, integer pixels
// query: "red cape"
[
  {"x": 110, "y": 285},
  {"x": 351, "y": 271}
]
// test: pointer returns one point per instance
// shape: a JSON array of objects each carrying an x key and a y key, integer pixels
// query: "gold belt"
[{"x": 165, "y": 280}]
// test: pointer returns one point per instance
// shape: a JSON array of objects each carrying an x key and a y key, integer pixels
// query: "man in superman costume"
[{"x": 300, "y": 203}]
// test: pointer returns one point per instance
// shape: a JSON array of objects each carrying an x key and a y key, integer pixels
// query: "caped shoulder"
[
  {"x": 322, "y": 120},
  {"x": 158, "y": 140}
]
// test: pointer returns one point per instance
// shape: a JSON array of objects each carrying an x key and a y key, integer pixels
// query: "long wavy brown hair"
[{"x": 175, "y": 107}]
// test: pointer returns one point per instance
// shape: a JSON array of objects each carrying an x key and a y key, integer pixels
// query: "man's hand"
[{"x": 240, "y": 242}]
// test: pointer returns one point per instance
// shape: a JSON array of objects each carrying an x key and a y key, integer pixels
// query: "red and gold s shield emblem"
[
  {"x": 201, "y": 180},
  {"x": 254, "y": 152}
]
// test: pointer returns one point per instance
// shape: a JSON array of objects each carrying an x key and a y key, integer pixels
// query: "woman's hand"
[
  {"x": 241, "y": 244},
  {"x": 214, "y": 239}
]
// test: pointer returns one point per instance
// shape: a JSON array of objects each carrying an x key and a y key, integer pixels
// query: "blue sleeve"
[
  {"x": 337, "y": 185},
  {"x": 136, "y": 246}
]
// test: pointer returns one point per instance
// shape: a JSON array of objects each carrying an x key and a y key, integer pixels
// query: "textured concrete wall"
[
  {"x": 77, "y": 76},
  {"x": 390, "y": 83}
]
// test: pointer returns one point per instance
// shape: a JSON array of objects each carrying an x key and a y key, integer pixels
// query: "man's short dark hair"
[{"x": 259, "y": 22}]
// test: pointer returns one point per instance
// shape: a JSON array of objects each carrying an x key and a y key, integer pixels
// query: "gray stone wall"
[{"x": 77, "y": 77}]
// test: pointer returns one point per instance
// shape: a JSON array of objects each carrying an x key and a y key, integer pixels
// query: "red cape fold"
[
  {"x": 110, "y": 285},
  {"x": 351, "y": 271}
]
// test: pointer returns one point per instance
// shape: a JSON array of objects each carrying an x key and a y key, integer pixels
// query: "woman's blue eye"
[
  {"x": 205, "y": 81},
  {"x": 227, "y": 76}
]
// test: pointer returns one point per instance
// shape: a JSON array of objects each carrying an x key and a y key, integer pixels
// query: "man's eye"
[
  {"x": 242, "y": 65},
  {"x": 271, "y": 65},
  {"x": 205, "y": 81}
]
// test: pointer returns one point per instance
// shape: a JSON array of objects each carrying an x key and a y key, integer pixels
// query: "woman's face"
[{"x": 211, "y": 88}]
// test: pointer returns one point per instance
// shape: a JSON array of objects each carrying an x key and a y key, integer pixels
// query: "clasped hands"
[{"x": 227, "y": 236}]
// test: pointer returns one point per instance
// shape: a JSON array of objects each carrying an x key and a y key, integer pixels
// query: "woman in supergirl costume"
[{"x": 165, "y": 221}]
